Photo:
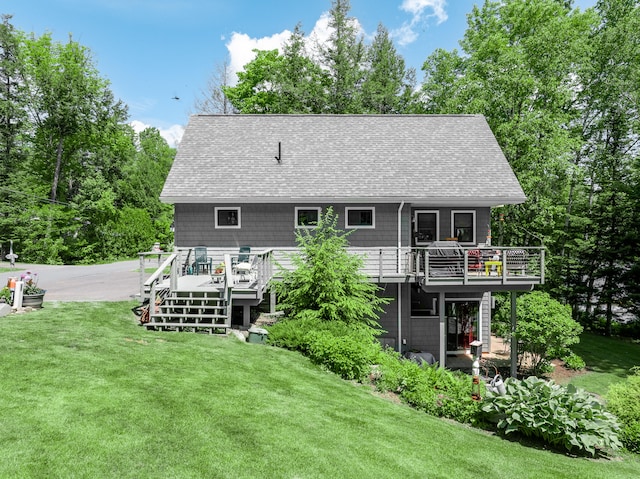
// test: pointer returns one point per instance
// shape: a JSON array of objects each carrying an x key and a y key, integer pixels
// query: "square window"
[
  {"x": 227, "y": 217},
  {"x": 360, "y": 217},
  {"x": 307, "y": 217},
  {"x": 463, "y": 226},
  {"x": 425, "y": 226}
]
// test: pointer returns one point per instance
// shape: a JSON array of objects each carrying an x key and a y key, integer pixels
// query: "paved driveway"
[{"x": 105, "y": 282}]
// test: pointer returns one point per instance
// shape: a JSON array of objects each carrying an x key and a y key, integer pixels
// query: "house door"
[{"x": 463, "y": 324}]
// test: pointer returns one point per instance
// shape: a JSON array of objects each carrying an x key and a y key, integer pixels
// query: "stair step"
[
  {"x": 179, "y": 326},
  {"x": 218, "y": 306},
  {"x": 191, "y": 315}
]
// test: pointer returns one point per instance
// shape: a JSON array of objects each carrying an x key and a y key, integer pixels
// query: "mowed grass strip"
[
  {"x": 608, "y": 360},
  {"x": 86, "y": 392}
]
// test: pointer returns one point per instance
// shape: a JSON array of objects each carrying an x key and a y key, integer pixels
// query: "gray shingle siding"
[{"x": 272, "y": 225}]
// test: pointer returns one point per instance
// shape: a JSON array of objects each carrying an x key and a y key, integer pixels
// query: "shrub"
[
  {"x": 545, "y": 327},
  {"x": 623, "y": 400},
  {"x": 573, "y": 361},
  {"x": 349, "y": 355},
  {"x": 292, "y": 333},
  {"x": 5, "y": 295},
  {"x": 560, "y": 416},
  {"x": 429, "y": 388},
  {"x": 345, "y": 349}
]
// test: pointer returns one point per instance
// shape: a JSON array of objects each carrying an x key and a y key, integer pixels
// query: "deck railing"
[
  {"x": 429, "y": 265},
  {"x": 445, "y": 264}
]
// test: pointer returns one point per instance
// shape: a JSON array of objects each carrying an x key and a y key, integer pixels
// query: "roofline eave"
[{"x": 468, "y": 202}]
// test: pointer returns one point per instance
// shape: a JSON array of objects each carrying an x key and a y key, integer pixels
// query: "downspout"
[
  {"x": 400, "y": 234},
  {"x": 399, "y": 284}
]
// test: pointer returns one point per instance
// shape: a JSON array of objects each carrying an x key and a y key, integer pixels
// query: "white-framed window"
[
  {"x": 426, "y": 226},
  {"x": 360, "y": 217},
  {"x": 227, "y": 217},
  {"x": 463, "y": 225},
  {"x": 307, "y": 216}
]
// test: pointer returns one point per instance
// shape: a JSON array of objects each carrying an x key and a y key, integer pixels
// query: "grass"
[
  {"x": 7, "y": 270},
  {"x": 608, "y": 361},
  {"x": 86, "y": 392}
]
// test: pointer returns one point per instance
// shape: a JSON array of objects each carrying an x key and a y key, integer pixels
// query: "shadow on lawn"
[{"x": 615, "y": 356}]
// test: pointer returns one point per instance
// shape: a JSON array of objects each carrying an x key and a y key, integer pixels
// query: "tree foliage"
[
  {"x": 326, "y": 281},
  {"x": 341, "y": 75},
  {"x": 78, "y": 185},
  {"x": 559, "y": 88},
  {"x": 544, "y": 330}
]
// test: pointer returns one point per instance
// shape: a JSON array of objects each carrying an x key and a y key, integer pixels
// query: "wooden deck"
[{"x": 204, "y": 300}]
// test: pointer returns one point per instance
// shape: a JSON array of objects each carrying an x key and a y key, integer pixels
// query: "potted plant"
[
  {"x": 32, "y": 294},
  {"x": 219, "y": 269}
]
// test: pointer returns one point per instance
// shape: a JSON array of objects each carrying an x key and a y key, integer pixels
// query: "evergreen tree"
[{"x": 326, "y": 282}]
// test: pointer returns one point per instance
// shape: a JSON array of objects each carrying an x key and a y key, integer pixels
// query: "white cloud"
[
  {"x": 172, "y": 135},
  {"x": 241, "y": 47},
  {"x": 421, "y": 11}
]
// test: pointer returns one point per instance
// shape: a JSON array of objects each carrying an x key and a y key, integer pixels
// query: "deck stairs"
[{"x": 196, "y": 311}]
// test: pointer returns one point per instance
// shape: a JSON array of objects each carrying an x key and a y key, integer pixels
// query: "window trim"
[
  {"x": 473, "y": 226},
  {"x": 238, "y": 211},
  {"x": 347, "y": 209},
  {"x": 415, "y": 225},
  {"x": 297, "y": 224}
]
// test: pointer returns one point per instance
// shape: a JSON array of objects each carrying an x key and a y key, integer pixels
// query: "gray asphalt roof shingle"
[{"x": 427, "y": 159}]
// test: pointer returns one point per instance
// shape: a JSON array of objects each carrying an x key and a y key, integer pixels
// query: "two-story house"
[{"x": 416, "y": 190}]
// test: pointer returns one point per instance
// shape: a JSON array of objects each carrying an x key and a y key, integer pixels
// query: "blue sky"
[{"x": 154, "y": 50}]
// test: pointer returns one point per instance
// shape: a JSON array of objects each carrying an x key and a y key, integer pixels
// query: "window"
[
  {"x": 463, "y": 226},
  {"x": 307, "y": 217},
  {"x": 360, "y": 217},
  {"x": 227, "y": 217},
  {"x": 425, "y": 226}
]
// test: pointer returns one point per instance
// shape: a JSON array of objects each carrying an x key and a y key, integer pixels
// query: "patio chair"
[
  {"x": 242, "y": 265},
  {"x": 474, "y": 263},
  {"x": 445, "y": 259},
  {"x": 202, "y": 260}
]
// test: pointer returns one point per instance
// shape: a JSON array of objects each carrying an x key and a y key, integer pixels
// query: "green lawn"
[
  {"x": 608, "y": 361},
  {"x": 86, "y": 392}
]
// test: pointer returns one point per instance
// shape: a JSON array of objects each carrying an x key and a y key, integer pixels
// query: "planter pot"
[{"x": 32, "y": 300}]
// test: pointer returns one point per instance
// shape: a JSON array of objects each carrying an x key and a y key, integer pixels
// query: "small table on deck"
[{"x": 489, "y": 264}]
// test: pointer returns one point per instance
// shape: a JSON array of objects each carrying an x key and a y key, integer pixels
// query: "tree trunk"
[{"x": 56, "y": 172}]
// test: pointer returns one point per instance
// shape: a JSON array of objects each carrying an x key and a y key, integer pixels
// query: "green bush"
[
  {"x": 294, "y": 334},
  {"x": 573, "y": 361},
  {"x": 345, "y": 349},
  {"x": 5, "y": 294},
  {"x": 560, "y": 416},
  {"x": 350, "y": 356},
  {"x": 429, "y": 388},
  {"x": 545, "y": 328},
  {"x": 623, "y": 400}
]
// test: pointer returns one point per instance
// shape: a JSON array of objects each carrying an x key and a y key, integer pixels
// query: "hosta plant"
[{"x": 563, "y": 417}]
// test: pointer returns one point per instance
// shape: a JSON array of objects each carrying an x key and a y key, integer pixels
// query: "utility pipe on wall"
[
  {"x": 400, "y": 234},
  {"x": 399, "y": 288}
]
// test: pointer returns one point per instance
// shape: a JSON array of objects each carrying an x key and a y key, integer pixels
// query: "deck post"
[
  {"x": 514, "y": 338},
  {"x": 443, "y": 331},
  {"x": 272, "y": 301},
  {"x": 141, "y": 276},
  {"x": 246, "y": 315}
]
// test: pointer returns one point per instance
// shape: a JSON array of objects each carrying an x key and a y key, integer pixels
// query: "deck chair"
[
  {"x": 202, "y": 260},
  {"x": 242, "y": 265},
  {"x": 475, "y": 260},
  {"x": 445, "y": 259}
]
